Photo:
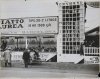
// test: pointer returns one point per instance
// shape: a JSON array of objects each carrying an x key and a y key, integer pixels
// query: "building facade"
[
  {"x": 62, "y": 43},
  {"x": 71, "y": 30}
]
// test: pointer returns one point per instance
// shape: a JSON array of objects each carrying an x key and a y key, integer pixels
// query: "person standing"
[
  {"x": 26, "y": 58},
  {"x": 81, "y": 49},
  {"x": 7, "y": 57}
]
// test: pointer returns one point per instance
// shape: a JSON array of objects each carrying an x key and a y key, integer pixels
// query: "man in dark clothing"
[
  {"x": 26, "y": 57},
  {"x": 81, "y": 49}
]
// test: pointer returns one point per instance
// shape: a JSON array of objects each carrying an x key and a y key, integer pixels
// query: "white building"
[{"x": 71, "y": 31}]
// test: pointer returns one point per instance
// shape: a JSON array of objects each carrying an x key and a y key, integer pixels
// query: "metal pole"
[
  {"x": 17, "y": 43},
  {"x": 26, "y": 43}
]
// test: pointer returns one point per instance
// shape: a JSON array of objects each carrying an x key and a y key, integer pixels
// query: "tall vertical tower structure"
[{"x": 71, "y": 30}]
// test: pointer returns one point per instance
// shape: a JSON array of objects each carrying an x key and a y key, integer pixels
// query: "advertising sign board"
[{"x": 33, "y": 25}]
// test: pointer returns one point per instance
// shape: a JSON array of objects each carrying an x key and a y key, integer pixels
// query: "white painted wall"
[
  {"x": 17, "y": 56},
  {"x": 69, "y": 58}
]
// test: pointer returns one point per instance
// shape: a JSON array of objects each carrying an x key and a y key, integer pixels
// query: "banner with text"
[{"x": 33, "y": 25}]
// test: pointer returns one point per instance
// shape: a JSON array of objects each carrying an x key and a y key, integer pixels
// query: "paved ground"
[{"x": 51, "y": 70}]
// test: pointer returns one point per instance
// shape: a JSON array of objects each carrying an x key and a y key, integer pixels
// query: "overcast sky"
[{"x": 40, "y": 8}]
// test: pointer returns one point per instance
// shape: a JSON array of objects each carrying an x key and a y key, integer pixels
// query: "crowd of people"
[{"x": 43, "y": 49}]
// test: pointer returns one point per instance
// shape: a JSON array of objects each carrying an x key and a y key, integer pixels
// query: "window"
[
  {"x": 78, "y": 6},
  {"x": 70, "y": 43},
  {"x": 74, "y": 35},
  {"x": 78, "y": 52},
  {"x": 70, "y": 39},
  {"x": 70, "y": 7},
  {"x": 70, "y": 11},
  {"x": 63, "y": 7},
  {"x": 73, "y": 23},
  {"x": 63, "y": 47},
  {"x": 63, "y": 51},
  {"x": 67, "y": 19},
  {"x": 73, "y": 27},
  {"x": 67, "y": 51},
  {"x": 63, "y": 31},
  {"x": 70, "y": 23},
  {"x": 66, "y": 27},
  {"x": 78, "y": 14},
  {"x": 70, "y": 19},
  {"x": 70, "y": 15},
  {"x": 63, "y": 11},
  {"x": 78, "y": 19},
  {"x": 77, "y": 35},
  {"x": 77, "y": 27},
  {"x": 74, "y": 15},
  {"x": 67, "y": 43},
  {"x": 77, "y": 10},
  {"x": 74, "y": 19},
  {"x": 63, "y": 27},
  {"x": 70, "y": 27},
  {"x": 78, "y": 31},
  {"x": 63, "y": 15},
  {"x": 70, "y": 31},
  {"x": 78, "y": 43},
  {"x": 70, "y": 47},
  {"x": 74, "y": 6},
  {"x": 63, "y": 35},
  {"x": 63, "y": 43},
  {"x": 67, "y": 23},
  {"x": 67, "y": 15},
  {"x": 67, "y": 7},
  {"x": 74, "y": 43},
  {"x": 64, "y": 19},
  {"x": 74, "y": 52},
  {"x": 74, "y": 31},
  {"x": 70, "y": 35},
  {"x": 67, "y": 39},
  {"x": 63, "y": 23},
  {"x": 74, "y": 39},
  {"x": 63, "y": 39}
]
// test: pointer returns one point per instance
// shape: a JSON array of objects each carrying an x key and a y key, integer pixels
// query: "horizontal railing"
[{"x": 91, "y": 50}]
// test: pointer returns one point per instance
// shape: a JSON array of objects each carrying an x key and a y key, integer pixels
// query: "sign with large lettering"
[{"x": 33, "y": 25}]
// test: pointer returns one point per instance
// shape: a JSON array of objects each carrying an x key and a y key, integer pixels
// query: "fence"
[{"x": 91, "y": 51}]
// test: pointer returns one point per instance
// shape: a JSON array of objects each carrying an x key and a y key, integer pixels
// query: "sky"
[{"x": 40, "y": 8}]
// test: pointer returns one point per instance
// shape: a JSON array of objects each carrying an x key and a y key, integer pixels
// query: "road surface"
[{"x": 44, "y": 71}]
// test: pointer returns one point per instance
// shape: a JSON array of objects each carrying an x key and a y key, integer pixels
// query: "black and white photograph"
[{"x": 49, "y": 39}]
